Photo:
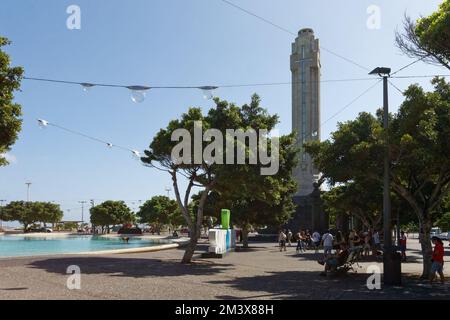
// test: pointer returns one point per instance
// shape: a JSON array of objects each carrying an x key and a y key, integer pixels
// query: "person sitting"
[{"x": 332, "y": 262}]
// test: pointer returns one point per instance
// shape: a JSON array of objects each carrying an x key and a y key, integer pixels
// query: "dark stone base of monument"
[{"x": 309, "y": 214}]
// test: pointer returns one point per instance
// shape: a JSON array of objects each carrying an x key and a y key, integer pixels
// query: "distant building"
[{"x": 305, "y": 68}]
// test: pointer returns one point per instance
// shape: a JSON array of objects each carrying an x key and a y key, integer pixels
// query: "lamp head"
[{"x": 381, "y": 71}]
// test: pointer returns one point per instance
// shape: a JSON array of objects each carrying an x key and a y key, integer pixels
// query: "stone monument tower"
[{"x": 305, "y": 68}]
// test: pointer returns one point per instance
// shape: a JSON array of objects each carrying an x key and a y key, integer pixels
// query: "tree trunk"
[
  {"x": 190, "y": 249},
  {"x": 427, "y": 250},
  {"x": 244, "y": 235}
]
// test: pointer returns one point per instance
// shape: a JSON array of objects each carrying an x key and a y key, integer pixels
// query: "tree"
[
  {"x": 50, "y": 212},
  {"x": 111, "y": 213},
  {"x": 428, "y": 38},
  {"x": 206, "y": 175},
  {"x": 356, "y": 199},
  {"x": 28, "y": 213},
  {"x": 260, "y": 200},
  {"x": 419, "y": 140},
  {"x": 363, "y": 200},
  {"x": 10, "y": 121},
  {"x": 160, "y": 211},
  {"x": 444, "y": 221}
]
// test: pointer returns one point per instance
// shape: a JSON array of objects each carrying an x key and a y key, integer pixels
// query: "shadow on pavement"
[
  {"x": 310, "y": 285},
  {"x": 130, "y": 267}
]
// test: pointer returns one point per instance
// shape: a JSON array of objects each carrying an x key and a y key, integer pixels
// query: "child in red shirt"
[{"x": 437, "y": 259}]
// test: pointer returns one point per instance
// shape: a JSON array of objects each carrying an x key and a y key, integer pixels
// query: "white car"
[
  {"x": 435, "y": 232},
  {"x": 445, "y": 236}
]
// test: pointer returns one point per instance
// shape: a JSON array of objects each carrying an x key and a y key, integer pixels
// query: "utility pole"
[
  {"x": 28, "y": 190},
  {"x": 82, "y": 211},
  {"x": 167, "y": 189},
  {"x": 391, "y": 259}
]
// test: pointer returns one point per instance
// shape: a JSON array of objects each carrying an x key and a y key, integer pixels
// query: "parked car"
[
  {"x": 445, "y": 236},
  {"x": 41, "y": 230},
  {"x": 435, "y": 232}
]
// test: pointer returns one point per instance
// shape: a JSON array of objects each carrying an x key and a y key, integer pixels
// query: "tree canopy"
[
  {"x": 259, "y": 201},
  {"x": 160, "y": 211},
  {"x": 10, "y": 112},
  {"x": 212, "y": 175},
  {"x": 111, "y": 213},
  {"x": 428, "y": 38},
  {"x": 419, "y": 140},
  {"x": 28, "y": 213}
]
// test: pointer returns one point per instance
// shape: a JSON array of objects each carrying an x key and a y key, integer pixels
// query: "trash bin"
[{"x": 225, "y": 215}]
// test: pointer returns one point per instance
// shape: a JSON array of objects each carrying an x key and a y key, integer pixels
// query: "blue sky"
[{"x": 172, "y": 42}]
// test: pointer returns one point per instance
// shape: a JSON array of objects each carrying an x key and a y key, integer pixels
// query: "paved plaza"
[{"x": 262, "y": 272}]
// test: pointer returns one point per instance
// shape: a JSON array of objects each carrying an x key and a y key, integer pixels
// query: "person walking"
[
  {"x": 282, "y": 240},
  {"x": 289, "y": 237},
  {"x": 299, "y": 237},
  {"x": 437, "y": 260},
  {"x": 367, "y": 242},
  {"x": 327, "y": 240},
  {"x": 316, "y": 241},
  {"x": 402, "y": 244},
  {"x": 353, "y": 239},
  {"x": 376, "y": 242}
]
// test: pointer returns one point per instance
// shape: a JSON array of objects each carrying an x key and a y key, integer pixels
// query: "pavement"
[{"x": 261, "y": 272}]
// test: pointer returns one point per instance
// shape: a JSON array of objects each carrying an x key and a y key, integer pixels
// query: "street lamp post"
[
  {"x": 391, "y": 258},
  {"x": 82, "y": 212},
  {"x": 28, "y": 190}
]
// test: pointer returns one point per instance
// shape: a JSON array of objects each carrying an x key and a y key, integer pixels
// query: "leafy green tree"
[
  {"x": 160, "y": 211},
  {"x": 206, "y": 176},
  {"x": 50, "y": 212},
  {"x": 356, "y": 200},
  {"x": 259, "y": 201},
  {"x": 363, "y": 200},
  {"x": 444, "y": 221},
  {"x": 10, "y": 121},
  {"x": 428, "y": 38},
  {"x": 419, "y": 140},
  {"x": 111, "y": 213},
  {"x": 28, "y": 213},
  {"x": 69, "y": 226}
]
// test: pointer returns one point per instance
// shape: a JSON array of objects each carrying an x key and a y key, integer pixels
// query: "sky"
[{"x": 173, "y": 42}]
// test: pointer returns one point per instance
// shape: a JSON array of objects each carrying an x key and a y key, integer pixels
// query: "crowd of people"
[
  {"x": 337, "y": 247},
  {"x": 369, "y": 241}
]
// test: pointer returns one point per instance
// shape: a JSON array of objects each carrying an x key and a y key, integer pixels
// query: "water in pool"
[{"x": 19, "y": 246}]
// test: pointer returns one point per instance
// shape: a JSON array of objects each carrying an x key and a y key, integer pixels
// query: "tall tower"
[{"x": 305, "y": 68}]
